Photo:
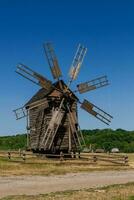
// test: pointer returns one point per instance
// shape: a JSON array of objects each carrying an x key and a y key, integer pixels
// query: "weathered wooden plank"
[{"x": 39, "y": 125}]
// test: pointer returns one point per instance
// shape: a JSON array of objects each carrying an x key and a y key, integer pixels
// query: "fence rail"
[{"x": 95, "y": 158}]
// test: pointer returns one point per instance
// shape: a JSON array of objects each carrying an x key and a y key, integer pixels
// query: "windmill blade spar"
[
  {"x": 52, "y": 60},
  {"x": 93, "y": 84},
  {"x": 96, "y": 112},
  {"x": 33, "y": 76},
  {"x": 77, "y": 61}
]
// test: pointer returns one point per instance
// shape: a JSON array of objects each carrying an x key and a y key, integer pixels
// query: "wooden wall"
[{"x": 39, "y": 118}]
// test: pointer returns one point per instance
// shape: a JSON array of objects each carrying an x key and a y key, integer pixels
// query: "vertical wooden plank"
[
  {"x": 69, "y": 139},
  {"x": 27, "y": 118}
]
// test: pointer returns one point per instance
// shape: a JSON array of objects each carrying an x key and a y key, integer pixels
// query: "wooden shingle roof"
[{"x": 42, "y": 93}]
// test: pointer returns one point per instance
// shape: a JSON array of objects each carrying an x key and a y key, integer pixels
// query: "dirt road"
[{"x": 32, "y": 185}]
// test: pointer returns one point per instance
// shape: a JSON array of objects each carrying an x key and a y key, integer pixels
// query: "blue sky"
[{"x": 105, "y": 27}]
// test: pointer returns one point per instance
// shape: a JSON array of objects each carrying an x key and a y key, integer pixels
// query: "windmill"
[{"x": 52, "y": 117}]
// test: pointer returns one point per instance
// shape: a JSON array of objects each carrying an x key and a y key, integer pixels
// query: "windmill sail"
[
  {"x": 20, "y": 113},
  {"x": 93, "y": 84},
  {"x": 52, "y": 60},
  {"x": 33, "y": 76},
  {"x": 77, "y": 61},
  {"x": 96, "y": 112}
]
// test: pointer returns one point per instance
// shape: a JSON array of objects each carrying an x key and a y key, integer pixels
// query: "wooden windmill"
[{"x": 52, "y": 118}]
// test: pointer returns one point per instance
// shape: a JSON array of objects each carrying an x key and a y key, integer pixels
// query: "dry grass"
[
  {"x": 131, "y": 159},
  {"x": 38, "y": 166},
  {"x": 115, "y": 192}
]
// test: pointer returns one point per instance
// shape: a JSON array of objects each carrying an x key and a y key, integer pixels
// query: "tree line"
[
  {"x": 95, "y": 139},
  {"x": 107, "y": 139},
  {"x": 13, "y": 142}
]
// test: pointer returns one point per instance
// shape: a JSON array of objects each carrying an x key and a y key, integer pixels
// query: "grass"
[
  {"x": 131, "y": 159},
  {"x": 114, "y": 192},
  {"x": 38, "y": 166}
]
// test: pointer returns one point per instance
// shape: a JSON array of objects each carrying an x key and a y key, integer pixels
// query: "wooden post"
[
  {"x": 94, "y": 159},
  {"x": 20, "y": 152},
  {"x": 79, "y": 154},
  {"x": 24, "y": 156},
  {"x": 27, "y": 129},
  {"x": 74, "y": 154},
  {"x": 9, "y": 155},
  {"x": 61, "y": 156},
  {"x": 69, "y": 139},
  {"x": 126, "y": 160}
]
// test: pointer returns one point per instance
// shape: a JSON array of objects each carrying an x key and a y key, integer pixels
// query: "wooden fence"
[{"x": 94, "y": 158}]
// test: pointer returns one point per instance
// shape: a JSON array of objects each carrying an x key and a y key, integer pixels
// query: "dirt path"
[{"x": 32, "y": 185}]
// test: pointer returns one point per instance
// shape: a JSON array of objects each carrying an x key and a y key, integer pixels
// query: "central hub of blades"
[{"x": 67, "y": 96}]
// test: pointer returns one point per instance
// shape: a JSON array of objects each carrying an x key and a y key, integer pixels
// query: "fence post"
[
  {"x": 74, "y": 154},
  {"x": 61, "y": 156},
  {"x": 78, "y": 154},
  {"x": 20, "y": 152},
  {"x": 94, "y": 159},
  {"x": 24, "y": 156},
  {"x": 126, "y": 160},
  {"x": 9, "y": 155}
]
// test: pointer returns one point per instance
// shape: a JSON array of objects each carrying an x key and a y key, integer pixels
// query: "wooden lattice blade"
[
  {"x": 20, "y": 113},
  {"x": 93, "y": 84},
  {"x": 45, "y": 83},
  {"x": 96, "y": 112},
  {"x": 33, "y": 76},
  {"x": 52, "y": 60},
  {"x": 77, "y": 61}
]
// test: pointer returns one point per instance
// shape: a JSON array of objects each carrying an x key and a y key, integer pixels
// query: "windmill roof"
[{"x": 42, "y": 93}]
